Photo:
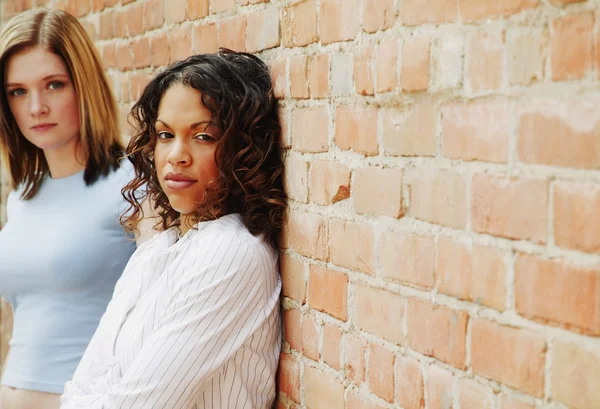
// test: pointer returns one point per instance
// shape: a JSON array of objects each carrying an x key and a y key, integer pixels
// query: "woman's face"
[
  {"x": 42, "y": 98},
  {"x": 184, "y": 155}
]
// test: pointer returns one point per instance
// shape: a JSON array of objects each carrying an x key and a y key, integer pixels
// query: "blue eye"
[
  {"x": 56, "y": 85},
  {"x": 17, "y": 92}
]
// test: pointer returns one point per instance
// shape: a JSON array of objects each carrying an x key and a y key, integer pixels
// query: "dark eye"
[
  {"x": 204, "y": 137},
  {"x": 164, "y": 135},
  {"x": 56, "y": 85},
  {"x": 17, "y": 92}
]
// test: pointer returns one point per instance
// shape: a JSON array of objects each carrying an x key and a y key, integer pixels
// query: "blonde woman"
[{"x": 63, "y": 248}]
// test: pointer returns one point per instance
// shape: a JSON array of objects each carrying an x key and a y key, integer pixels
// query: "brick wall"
[{"x": 443, "y": 244}]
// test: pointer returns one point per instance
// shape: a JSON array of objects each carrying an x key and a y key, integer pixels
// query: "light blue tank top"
[{"x": 61, "y": 254}]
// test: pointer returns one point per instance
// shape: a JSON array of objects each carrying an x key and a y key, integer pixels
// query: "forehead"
[
  {"x": 32, "y": 64},
  {"x": 183, "y": 105}
]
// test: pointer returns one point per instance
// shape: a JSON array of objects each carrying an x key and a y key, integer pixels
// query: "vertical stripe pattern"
[{"x": 193, "y": 323}]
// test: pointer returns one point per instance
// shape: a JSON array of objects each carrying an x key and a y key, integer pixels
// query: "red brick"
[
  {"x": 206, "y": 38},
  {"x": 180, "y": 43},
  {"x": 384, "y": 184},
  {"x": 439, "y": 388},
  {"x": 571, "y": 46},
  {"x": 124, "y": 93},
  {"x": 221, "y": 6},
  {"x": 299, "y": 76},
  {"x": 299, "y": 23},
  {"x": 197, "y": 9},
  {"x": 352, "y": 246},
  {"x": 121, "y": 22},
  {"x": 576, "y": 216},
  {"x": 154, "y": 14},
  {"x": 159, "y": 45},
  {"x": 138, "y": 83},
  {"x": 564, "y": 2},
  {"x": 381, "y": 372},
  {"x": 90, "y": 29},
  {"x": 473, "y": 395},
  {"x": 378, "y": 15},
  {"x": 477, "y": 131},
  {"x": 310, "y": 129},
  {"x": 135, "y": 24},
  {"x": 124, "y": 56},
  {"x": 106, "y": 25},
  {"x": 515, "y": 208},
  {"x": 329, "y": 182},
  {"x": 356, "y": 129},
  {"x": 289, "y": 377},
  {"x": 523, "y": 356},
  {"x": 485, "y": 56},
  {"x": 411, "y": 131},
  {"x": 296, "y": 179},
  {"x": 339, "y": 20},
  {"x": 409, "y": 383},
  {"x": 97, "y": 5},
  {"x": 263, "y": 30},
  {"x": 408, "y": 258},
  {"x": 363, "y": 71},
  {"x": 355, "y": 401},
  {"x": 415, "y": 64},
  {"x": 175, "y": 11},
  {"x": 232, "y": 33},
  {"x": 437, "y": 331},
  {"x": 380, "y": 312},
  {"x": 293, "y": 278},
  {"x": 328, "y": 292},
  {"x": 332, "y": 340},
  {"x": 506, "y": 402},
  {"x": 310, "y": 338},
  {"x": 387, "y": 64},
  {"x": 473, "y": 10},
  {"x": 292, "y": 325},
  {"x": 526, "y": 54},
  {"x": 308, "y": 235},
  {"x": 575, "y": 374},
  {"x": 354, "y": 359},
  {"x": 279, "y": 77},
  {"x": 437, "y": 196},
  {"x": 141, "y": 52},
  {"x": 413, "y": 13},
  {"x": 322, "y": 390},
  {"x": 474, "y": 274},
  {"x": 560, "y": 133},
  {"x": 318, "y": 76},
  {"x": 575, "y": 293},
  {"x": 107, "y": 55}
]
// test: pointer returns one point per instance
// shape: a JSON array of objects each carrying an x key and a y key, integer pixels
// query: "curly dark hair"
[{"x": 236, "y": 88}]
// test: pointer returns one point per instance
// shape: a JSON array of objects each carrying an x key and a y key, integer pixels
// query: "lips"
[
  {"x": 43, "y": 127},
  {"x": 178, "y": 181}
]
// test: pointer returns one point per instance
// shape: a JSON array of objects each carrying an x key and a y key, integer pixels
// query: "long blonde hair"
[{"x": 60, "y": 33}]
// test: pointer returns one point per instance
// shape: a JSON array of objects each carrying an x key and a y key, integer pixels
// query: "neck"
[
  {"x": 186, "y": 223},
  {"x": 65, "y": 161}
]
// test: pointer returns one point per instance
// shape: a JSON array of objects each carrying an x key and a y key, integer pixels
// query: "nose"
[
  {"x": 179, "y": 154},
  {"x": 37, "y": 105}
]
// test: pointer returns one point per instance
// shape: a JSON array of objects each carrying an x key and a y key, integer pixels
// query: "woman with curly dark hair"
[{"x": 194, "y": 321}]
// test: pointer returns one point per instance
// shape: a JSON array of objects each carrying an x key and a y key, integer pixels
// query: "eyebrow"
[
  {"x": 192, "y": 126},
  {"x": 47, "y": 77}
]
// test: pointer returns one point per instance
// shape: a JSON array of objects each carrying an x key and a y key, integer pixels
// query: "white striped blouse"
[{"x": 193, "y": 323}]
